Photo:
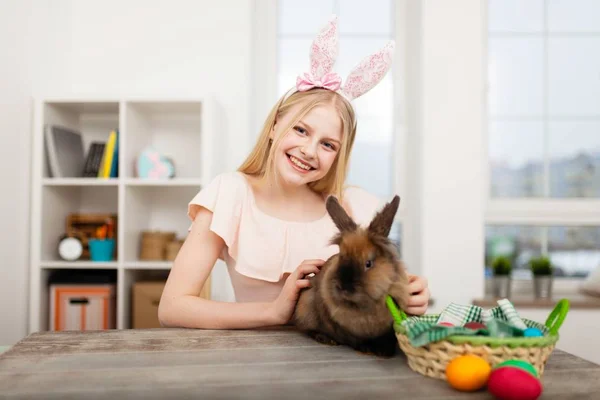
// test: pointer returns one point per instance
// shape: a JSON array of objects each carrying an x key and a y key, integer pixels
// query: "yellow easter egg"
[{"x": 468, "y": 373}]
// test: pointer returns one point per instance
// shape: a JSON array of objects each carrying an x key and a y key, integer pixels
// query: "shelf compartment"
[
  {"x": 69, "y": 276},
  {"x": 151, "y": 208},
  {"x": 172, "y": 128},
  {"x": 129, "y": 277},
  {"x": 93, "y": 120},
  {"x": 60, "y": 201}
]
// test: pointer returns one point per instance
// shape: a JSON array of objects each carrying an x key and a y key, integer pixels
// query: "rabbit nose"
[{"x": 347, "y": 277}]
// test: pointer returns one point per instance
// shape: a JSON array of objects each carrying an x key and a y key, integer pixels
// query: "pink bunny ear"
[
  {"x": 369, "y": 72},
  {"x": 324, "y": 49}
]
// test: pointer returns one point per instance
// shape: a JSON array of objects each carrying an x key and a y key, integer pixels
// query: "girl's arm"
[{"x": 180, "y": 305}]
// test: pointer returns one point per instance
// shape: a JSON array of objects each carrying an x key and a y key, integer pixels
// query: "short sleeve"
[
  {"x": 362, "y": 205},
  {"x": 223, "y": 196}
]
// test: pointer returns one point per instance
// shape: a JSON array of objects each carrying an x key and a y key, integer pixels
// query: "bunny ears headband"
[{"x": 323, "y": 54}]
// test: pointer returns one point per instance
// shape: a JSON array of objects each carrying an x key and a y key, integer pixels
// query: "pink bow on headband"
[{"x": 306, "y": 81}]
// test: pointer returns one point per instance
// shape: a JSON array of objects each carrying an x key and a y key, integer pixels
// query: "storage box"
[
  {"x": 82, "y": 307},
  {"x": 146, "y": 298}
]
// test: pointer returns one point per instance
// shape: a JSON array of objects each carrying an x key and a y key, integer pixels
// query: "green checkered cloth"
[{"x": 501, "y": 321}]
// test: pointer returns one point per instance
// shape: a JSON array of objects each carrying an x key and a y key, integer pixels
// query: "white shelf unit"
[{"x": 186, "y": 130}]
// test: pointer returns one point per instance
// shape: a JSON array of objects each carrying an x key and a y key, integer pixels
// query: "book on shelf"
[
  {"x": 93, "y": 160},
  {"x": 102, "y": 160},
  {"x": 64, "y": 151}
]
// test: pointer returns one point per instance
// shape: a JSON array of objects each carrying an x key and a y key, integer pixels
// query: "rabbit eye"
[{"x": 368, "y": 264}]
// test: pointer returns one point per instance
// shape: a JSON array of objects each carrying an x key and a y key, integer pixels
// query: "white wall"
[
  {"x": 107, "y": 47},
  {"x": 14, "y": 164},
  {"x": 445, "y": 103}
]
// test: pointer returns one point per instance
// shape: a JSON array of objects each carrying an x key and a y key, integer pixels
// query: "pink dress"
[{"x": 262, "y": 250}]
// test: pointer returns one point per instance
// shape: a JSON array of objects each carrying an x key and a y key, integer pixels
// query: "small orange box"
[{"x": 82, "y": 307}]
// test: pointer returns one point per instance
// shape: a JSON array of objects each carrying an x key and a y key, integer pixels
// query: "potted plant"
[
  {"x": 542, "y": 271},
  {"x": 502, "y": 271}
]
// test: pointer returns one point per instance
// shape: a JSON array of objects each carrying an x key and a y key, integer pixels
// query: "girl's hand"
[
  {"x": 419, "y": 295},
  {"x": 283, "y": 307}
]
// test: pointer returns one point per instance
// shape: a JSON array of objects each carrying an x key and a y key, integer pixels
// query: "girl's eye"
[
  {"x": 300, "y": 130},
  {"x": 327, "y": 144},
  {"x": 368, "y": 264}
]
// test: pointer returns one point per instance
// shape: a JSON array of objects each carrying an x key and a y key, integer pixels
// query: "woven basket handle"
[
  {"x": 399, "y": 315},
  {"x": 557, "y": 316}
]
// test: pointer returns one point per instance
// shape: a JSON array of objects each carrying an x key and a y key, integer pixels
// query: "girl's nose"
[{"x": 308, "y": 150}]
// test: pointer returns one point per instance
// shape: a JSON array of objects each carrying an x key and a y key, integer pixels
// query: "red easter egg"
[
  {"x": 475, "y": 325},
  {"x": 510, "y": 383},
  {"x": 445, "y": 324}
]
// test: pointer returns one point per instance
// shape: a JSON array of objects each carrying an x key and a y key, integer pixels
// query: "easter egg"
[
  {"x": 514, "y": 383},
  {"x": 518, "y": 364},
  {"x": 445, "y": 324},
  {"x": 533, "y": 332},
  {"x": 475, "y": 325},
  {"x": 468, "y": 373}
]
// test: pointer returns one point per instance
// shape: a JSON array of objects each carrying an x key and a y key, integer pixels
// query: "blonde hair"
[{"x": 260, "y": 162}]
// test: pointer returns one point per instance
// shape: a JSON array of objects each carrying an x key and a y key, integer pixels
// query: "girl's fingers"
[
  {"x": 417, "y": 301},
  {"x": 316, "y": 262},
  {"x": 302, "y": 283},
  {"x": 417, "y": 286},
  {"x": 307, "y": 269}
]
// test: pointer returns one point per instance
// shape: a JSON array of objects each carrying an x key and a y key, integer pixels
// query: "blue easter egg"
[{"x": 533, "y": 332}]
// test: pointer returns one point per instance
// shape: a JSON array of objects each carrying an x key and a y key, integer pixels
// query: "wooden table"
[{"x": 259, "y": 364}]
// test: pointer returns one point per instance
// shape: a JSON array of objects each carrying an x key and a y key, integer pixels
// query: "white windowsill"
[{"x": 522, "y": 294}]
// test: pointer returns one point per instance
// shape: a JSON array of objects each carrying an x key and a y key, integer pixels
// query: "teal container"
[{"x": 102, "y": 249}]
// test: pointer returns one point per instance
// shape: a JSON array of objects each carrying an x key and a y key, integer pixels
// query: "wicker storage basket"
[
  {"x": 154, "y": 244},
  {"x": 172, "y": 249},
  {"x": 431, "y": 359}
]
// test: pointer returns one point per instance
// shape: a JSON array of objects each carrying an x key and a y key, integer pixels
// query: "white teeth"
[{"x": 299, "y": 163}]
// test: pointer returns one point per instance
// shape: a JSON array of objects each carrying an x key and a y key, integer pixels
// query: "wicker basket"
[
  {"x": 172, "y": 249},
  {"x": 154, "y": 244},
  {"x": 431, "y": 359}
]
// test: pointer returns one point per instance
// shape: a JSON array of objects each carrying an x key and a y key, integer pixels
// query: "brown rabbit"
[{"x": 346, "y": 302}]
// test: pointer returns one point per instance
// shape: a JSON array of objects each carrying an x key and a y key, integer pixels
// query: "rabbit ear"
[
  {"x": 382, "y": 223},
  {"x": 324, "y": 49},
  {"x": 339, "y": 216},
  {"x": 369, "y": 72}
]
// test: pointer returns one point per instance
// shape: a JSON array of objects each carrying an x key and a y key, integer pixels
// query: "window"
[
  {"x": 574, "y": 250},
  {"x": 544, "y": 132}
]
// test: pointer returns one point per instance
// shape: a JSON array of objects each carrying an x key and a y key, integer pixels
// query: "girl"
[{"x": 267, "y": 220}]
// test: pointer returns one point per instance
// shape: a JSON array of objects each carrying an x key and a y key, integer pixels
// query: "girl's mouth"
[{"x": 298, "y": 164}]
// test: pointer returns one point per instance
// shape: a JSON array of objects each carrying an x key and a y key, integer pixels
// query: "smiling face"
[
  {"x": 317, "y": 128},
  {"x": 307, "y": 151}
]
